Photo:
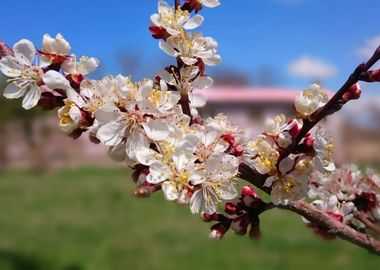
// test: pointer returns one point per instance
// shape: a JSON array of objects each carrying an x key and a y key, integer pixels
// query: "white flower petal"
[
  {"x": 75, "y": 97},
  {"x": 212, "y": 61},
  {"x": 112, "y": 133},
  {"x": 163, "y": 7},
  {"x": 12, "y": 91},
  {"x": 170, "y": 191},
  {"x": 25, "y": 51},
  {"x": 32, "y": 97},
  {"x": 203, "y": 82},
  {"x": 117, "y": 153},
  {"x": 158, "y": 172},
  {"x": 89, "y": 65},
  {"x": 197, "y": 100},
  {"x": 194, "y": 22},
  {"x": 287, "y": 164},
  {"x": 269, "y": 181},
  {"x": 10, "y": 66},
  {"x": 166, "y": 47},
  {"x": 156, "y": 130},
  {"x": 62, "y": 46},
  {"x": 228, "y": 192},
  {"x": 55, "y": 80},
  {"x": 107, "y": 113},
  {"x": 210, "y": 3},
  {"x": 135, "y": 142},
  {"x": 197, "y": 202},
  {"x": 188, "y": 60},
  {"x": 145, "y": 156}
]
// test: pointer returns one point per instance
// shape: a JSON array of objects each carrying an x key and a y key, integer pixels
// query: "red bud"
[
  {"x": 230, "y": 208},
  {"x": 209, "y": 217},
  {"x": 353, "y": 93},
  {"x": 249, "y": 191},
  {"x": 228, "y": 138},
  {"x": 374, "y": 75}
]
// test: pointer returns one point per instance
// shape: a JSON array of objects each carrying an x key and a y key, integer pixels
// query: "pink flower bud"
[
  {"x": 230, "y": 208},
  {"x": 228, "y": 138},
  {"x": 198, "y": 120},
  {"x": 353, "y": 93},
  {"x": 240, "y": 225},
  {"x": 374, "y": 75},
  {"x": 217, "y": 231},
  {"x": 209, "y": 217},
  {"x": 295, "y": 129},
  {"x": 238, "y": 150},
  {"x": 248, "y": 191}
]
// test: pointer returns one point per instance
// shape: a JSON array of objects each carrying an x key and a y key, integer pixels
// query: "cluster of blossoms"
[
  {"x": 347, "y": 196},
  {"x": 288, "y": 176},
  {"x": 153, "y": 126}
]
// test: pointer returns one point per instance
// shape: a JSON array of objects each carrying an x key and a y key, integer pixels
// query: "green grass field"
[{"x": 88, "y": 219}]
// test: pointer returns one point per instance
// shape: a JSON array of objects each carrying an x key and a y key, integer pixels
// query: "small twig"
[{"x": 185, "y": 105}]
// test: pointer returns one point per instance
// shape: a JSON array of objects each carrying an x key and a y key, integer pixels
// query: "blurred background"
[{"x": 65, "y": 205}]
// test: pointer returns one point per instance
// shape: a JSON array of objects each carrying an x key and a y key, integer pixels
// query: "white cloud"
[
  {"x": 369, "y": 47},
  {"x": 311, "y": 68}
]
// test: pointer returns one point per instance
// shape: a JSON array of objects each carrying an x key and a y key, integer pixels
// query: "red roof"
[{"x": 248, "y": 94}]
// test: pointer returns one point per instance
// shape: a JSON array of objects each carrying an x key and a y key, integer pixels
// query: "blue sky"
[{"x": 251, "y": 33}]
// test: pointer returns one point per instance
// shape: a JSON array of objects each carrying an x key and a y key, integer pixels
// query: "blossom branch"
[
  {"x": 333, "y": 226},
  {"x": 317, "y": 216},
  {"x": 333, "y": 105}
]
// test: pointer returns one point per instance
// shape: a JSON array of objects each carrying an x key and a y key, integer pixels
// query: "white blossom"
[
  {"x": 69, "y": 117},
  {"x": 216, "y": 185},
  {"x": 25, "y": 78},
  {"x": 310, "y": 100},
  {"x": 261, "y": 155},
  {"x": 174, "y": 20},
  {"x": 57, "y": 46},
  {"x": 85, "y": 65},
  {"x": 324, "y": 148},
  {"x": 190, "y": 47}
]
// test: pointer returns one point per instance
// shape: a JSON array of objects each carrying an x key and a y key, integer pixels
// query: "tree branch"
[
  {"x": 333, "y": 226},
  {"x": 333, "y": 105},
  {"x": 185, "y": 105}
]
